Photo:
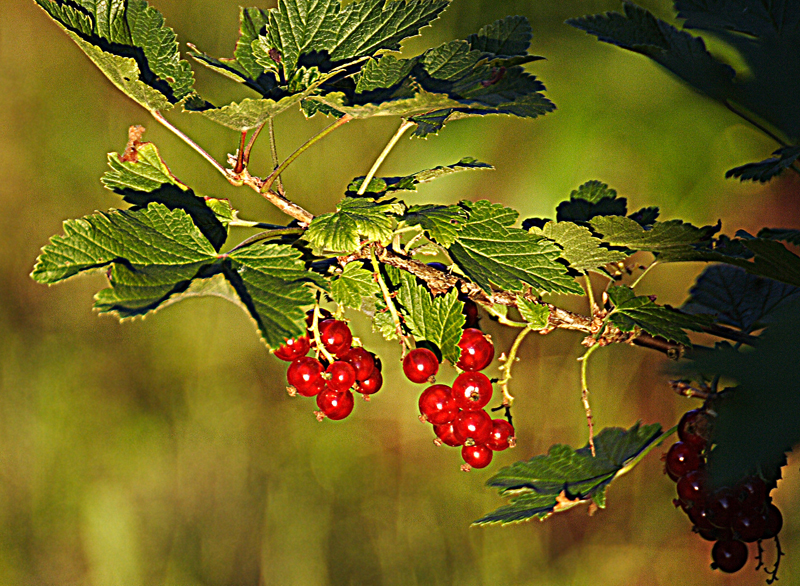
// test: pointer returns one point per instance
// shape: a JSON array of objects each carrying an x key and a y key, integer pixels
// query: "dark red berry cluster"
[
  {"x": 331, "y": 382},
  {"x": 731, "y": 516},
  {"x": 457, "y": 412}
]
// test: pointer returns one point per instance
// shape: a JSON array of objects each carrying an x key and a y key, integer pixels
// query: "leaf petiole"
[
  {"x": 164, "y": 122},
  {"x": 585, "y": 394},
  {"x": 405, "y": 125}
]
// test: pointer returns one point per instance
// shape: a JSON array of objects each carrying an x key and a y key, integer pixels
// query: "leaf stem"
[
  {"x": 305, "y": 146},
  {"x": 640, "y": 277},
  {"x": 405, "y": 125},
  {"x": 315, "y": 329},
  {"x": 502, "y": 319},
  {"x": 164, "y": 122},
  {"x": 589, "y": 294},
  {"x": 585, "y": 394},
  {"x": 273, "y": 149},
  {"x": 510, "y": 360},
  {"x": 387, "y": 296},
  {"x": 266, "y": 235}
]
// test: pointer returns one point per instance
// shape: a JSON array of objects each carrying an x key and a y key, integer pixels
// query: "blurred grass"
[{"x": 165, "y": 451}]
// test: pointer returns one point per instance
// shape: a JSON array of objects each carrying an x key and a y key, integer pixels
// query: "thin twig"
[
  {"x": 585, "y": 394},
  {"x": 762, "y": 128},
  {"x": 405, "y": 125},
  {"x": 252, "y": 142},
  {"x": 317, "y": 339},
  {"x": 311, "y": 141},
  {"x": 160, "y": 117},
  {"x": 240, "y": 164}
]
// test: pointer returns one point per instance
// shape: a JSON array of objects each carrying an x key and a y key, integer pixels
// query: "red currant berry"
[
  {"x": 293, "y": 349},
  {"x": 437, "y": 405},
  {"x": 749, "y": 526},
  {"x": 323, "y": 315},
  {"x": 313, "y": 388},
  {"x": 334, "y": 404},
  {"x": 501, "y": 435},
  {"x": 342, "y": 376},
  {"x": 692, "y": 488},
  {"x": 470, "y": 312},
  {"x": 477, "y": 351},
  {"x": 699, "y": 518},
  {"x": 681, "y": 459},
  {"x": 420, "y": 365},
  {"x": 694, "y": 428},
  {"x": 477, "y": 456},
  {"x": 304, "y": 374},
  {"x": 472, "y": 390},
  {"x": 446, "y": 433},
  {"x": 335, "y": 336},
  {"x": 774, "y": 522},
  {"x": 752, "y": 493},
  {"x": 473, "y": 425},
  {"x": 729, "y": 556},
  {"x": 372, "y": 384},
  {"x": 715, "y": 534},
  {"x": 722, "y": 506},
  {"x": 361, "y": 361}
]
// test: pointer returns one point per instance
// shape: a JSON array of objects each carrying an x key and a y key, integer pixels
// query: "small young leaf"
[
  {"x": 765, "y": 170},
  {"x": 565, "y": 477},
  {"x": 580, "y": 249},
  {"x": 631, "y": 311},
  {"x": 736, "y": 298},
  {"x": 353, "y": 285},
  {"x": 591, "y": 199},
  {"x": 342, "y": 230},
  {"x": 790, "y": 235},
  {"x": 535, "y": 314},
  {"x": 441, "y": 223},
  {"x": 129, "y": 42},
  {"x": 503, "y": 38},
  {"x": 669, "y": 240},
  {"x": 492, "y": 253},
  {"x": 380, "y": 186}
]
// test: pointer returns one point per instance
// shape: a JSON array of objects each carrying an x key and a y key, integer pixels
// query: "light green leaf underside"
[
  {"x": 353, "y": 286},
  {"x": 580, "y": 249},
  {"x": 494, "y": 254},
  {"x": 670, "y": 240},
  {"x": 535, "y": 314},
  {"x": 356, "y": 218},
  {"x": 441, "y": 223}
]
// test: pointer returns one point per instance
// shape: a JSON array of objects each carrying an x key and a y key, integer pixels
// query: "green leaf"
[
  {"x": 790, "y": 235},
  {"x": 670, "y": 240},
  {"x": 141, "y": 178},
  {"x": 580, "y": 249},
  {"x": 759, "y": 419},
  {"x": 631, "y": 311},
  {"x": 507, "y": 38},
  {"x": 736, "y": 298},
  {"x": 441, "y": 223},
  {"x": 129, "y": 42},
  {"x": 765, "y": 170},
  {"x": 355, "y": 219},
  {"x": 157, "y": 256},
  {"x": 353, "y": 286},
  {"x": 382, "y": 73},
  {"x": 591, "y": 199},
  {"x": 565, "y": 477},
  {"x": 380, "y": 186},
  {"x": 493, "y": 253},
  {"x": 439, "y": 319},
  {"x": 536, "y": 314}
]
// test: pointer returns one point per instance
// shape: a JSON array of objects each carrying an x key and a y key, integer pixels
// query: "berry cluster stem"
[
  {"x": 387, "y": 296},
  {"x": 321, "y": 349},
  {"x": 510, "y": 360}
]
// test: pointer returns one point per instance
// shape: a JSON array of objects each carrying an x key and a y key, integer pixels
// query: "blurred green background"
[{"x": 165, "y": 451}]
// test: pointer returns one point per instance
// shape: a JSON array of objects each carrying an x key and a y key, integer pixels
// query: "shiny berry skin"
[
  {"x": 342, "y": 376},
  {"x": 293, "y": 349},
  {"x": 470, "y": 312},
  {"x": 371, "y": 384},
  {"x": 361, "y": 361},
  {"x": 477, "y": 456},
  {"x": 334, "y": 404},
  {"x": 694, "y": 428},
  {"x": 500, "y": 436},
  {"x": 752, "y": 493},
  {"x": 473, "y": 425},
  {"x": 692, "y": 488},
  {"x": 472, "y": 390},
  {"x": 699, "y": 518},
  {"x": 774, "y": 522},
  {"x": 335, "y": 336},
  {"x": 477, "y": 351},
  {"x": 420, "y": 365},
  {"x": 304, "y": 374},
  {"x": 749, "y": 526},
  {"x": 313, "y": 388},
  {"x": 681, "y": 459},
  {"x": 447, "y": 435},
  {"x": 437, "y": 405},
  {"x": 729, "y": 556},
  {"x": 722, "y": 506}
]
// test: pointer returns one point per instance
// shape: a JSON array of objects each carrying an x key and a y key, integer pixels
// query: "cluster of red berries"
[
  {"x": 733, "y": 516},
  {"x": 331, "y": 382},
  {"x": 457, "y": 412}
]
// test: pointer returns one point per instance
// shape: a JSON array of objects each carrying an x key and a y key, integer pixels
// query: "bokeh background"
[{"x": 165, "y": 451}]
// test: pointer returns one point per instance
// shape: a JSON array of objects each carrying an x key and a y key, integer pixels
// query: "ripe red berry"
[
  {"x": 361, "y": 361},
  {"x": 729, "y": 556},
  {"x": 342, "y": 376},
  {"x": 500, "y": 436},
  {"x": 692, "y": 488},
  {"x": 722, "y": 506},
  {"x": 371, "y": 384},
  {"x": 420, "y": 365},
  {"x": 774, "y": 522},
  {"x": 293, "y": 349},
  {"x": 681, "y": 459},
  {"x": 477, "y": 351},
  {"x": 752, "y": 493},
  {"x": 749, "y": 526},
  {"x": 335, "y": 336},
  {"x": 446, "y": 434},
  {"x": 335, "y": 404},
  {"x": 694, "y": 428},
  {"x": 472, "y": 390},
  {"x": 473, "y": 425},
  {"x": 305, "y": 374},
  {"x": 470, "y": 312},
  {"x": 437, "y": 405},
  {"x": 477, "y": 456}
]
